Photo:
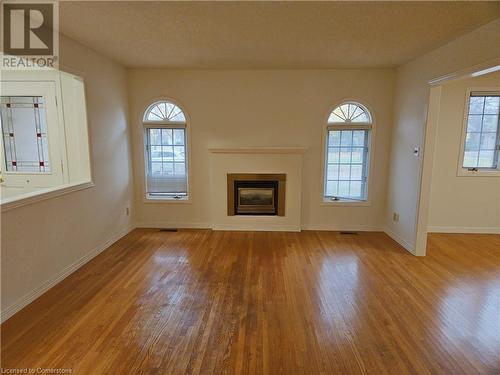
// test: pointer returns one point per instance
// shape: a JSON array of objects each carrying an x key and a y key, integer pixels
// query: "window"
[
  {"x": 347, "y": 154},
  {"x": 166, "y": 152},
  {"x": 482, "y": 137},
  {"x": 31, "y": 130},
  {"x": 24, "y": 134},
  {"x": 44, "y": 138}
]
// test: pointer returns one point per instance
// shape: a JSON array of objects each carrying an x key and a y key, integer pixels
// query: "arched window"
[
  {"x": 347, "y": 153},
  {"x": 166, "y": 151},
  {"x": 164, "y": 112},
  {"x": 350, "y": 112}
]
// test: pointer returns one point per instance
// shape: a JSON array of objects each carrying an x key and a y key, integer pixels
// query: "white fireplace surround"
[{"x": 287, "y": 160}]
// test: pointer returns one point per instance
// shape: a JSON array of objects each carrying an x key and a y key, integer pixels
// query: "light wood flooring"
[{"x": 204, "y": 302}]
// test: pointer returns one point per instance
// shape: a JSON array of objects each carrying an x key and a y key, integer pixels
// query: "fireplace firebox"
[{"x": 256, "y": 194}]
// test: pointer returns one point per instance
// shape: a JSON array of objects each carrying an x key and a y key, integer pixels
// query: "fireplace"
[
  {"x": 256, "y": 194},
  {"x": 256, "y": 197}
]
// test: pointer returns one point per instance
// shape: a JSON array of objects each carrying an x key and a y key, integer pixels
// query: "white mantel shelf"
[{"x": 257, "y": 150}]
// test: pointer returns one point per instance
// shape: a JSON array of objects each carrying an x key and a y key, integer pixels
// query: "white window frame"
[
  {"x": 68, "y": 186},
  {"x": 324, "y": 201},
  {"x": 166, "y": 125},
  {"x": 480, "y": 172},
  {"x": 55, "y": 136}
]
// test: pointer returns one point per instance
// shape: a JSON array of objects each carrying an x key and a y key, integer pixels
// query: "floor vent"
[
  {"x": 348, "y": 232},
  {"x": 168, "y": 230}
]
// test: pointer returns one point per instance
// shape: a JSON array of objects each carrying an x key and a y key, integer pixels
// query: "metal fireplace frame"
[{"x": 233, "y": 177}]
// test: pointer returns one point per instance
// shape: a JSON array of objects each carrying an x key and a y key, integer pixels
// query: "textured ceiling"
[{"x": 259, "y": 35}]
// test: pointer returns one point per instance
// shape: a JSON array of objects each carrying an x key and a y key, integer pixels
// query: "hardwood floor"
[{"x": 203, "y": 302}]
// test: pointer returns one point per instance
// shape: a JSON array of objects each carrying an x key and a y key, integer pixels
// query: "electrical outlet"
[
  {"x": 127, "y": 211},
  {"x": 395, "y": 216}
]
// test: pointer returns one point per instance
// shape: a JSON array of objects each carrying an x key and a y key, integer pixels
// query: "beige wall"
[
  {"x": 262, "y": 108},
  {"x": 411, "y": 99},
  {"x": 460, "y": 204},
  {"x": 43, "y": 241}
]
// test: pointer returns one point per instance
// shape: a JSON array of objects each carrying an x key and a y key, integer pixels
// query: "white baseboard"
[
  {"x": 396, "y": 237},
  {"x": 478, "y": 230},
  {"x": 37, "y": 292},
  {"x": 236, "y": 227},
  {"x": 248, "y": 227},
  {"x": 347, "y": 228},
  {"x": 256, "y": 228},
  {"x": 171, "y": 224}
]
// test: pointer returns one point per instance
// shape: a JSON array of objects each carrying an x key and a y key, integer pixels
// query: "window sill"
[
  {"x": 41, "y": 195},
  {"x": 186, "y": 200},
  {"x": 480, "y": 173},
  {"x": 345, "y": 203}
]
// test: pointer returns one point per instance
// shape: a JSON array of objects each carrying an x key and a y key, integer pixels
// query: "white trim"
[
  {"x": 349, "y": 126},
  {"x": 41, "y": 195},
  {"x": 371, "y": 152},
  {"x": 257, "y": 150},
  {"x": 426, "y": 166},
  {"x": 262, "y": 227},
  {"x": 164, "y": 125},
  {"x": 472, "y": 71},
  {"x": 187, "y": 147},
  {"x": 25, "y": 300},
  {"x": 346, "y": 203},
  {"x": 168, "y": 200},
  {"x": 400, "y": 240},
  {"x": 172, "y": 224},
  {"x": 481, "y": 172},
  {"x": 462, "y": 172},
  {"x": 342, "y": 228},
  {"x": 493, "y": 69},
  {"x": 255, "y": 228},
  {"x": 478, "y": 230}
]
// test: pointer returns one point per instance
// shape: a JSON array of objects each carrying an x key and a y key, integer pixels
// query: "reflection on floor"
[{"x": 269, "y": 303}]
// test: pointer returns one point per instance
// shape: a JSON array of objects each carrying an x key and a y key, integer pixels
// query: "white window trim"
[
  {"x": 461, "y": 171},
  {"x": 166, "y": 124},
  {"x": 326, "y": 127},
  {"x": 39, "y": 195}
]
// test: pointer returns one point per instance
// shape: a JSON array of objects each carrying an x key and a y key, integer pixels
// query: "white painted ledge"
[
  {"x": 345, "y": 203},
  {"x": 41, "y": 195},
  {"x": 257, "y": 150}
]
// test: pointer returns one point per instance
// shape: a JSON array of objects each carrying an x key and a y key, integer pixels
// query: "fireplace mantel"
[
  {"x": 225, "y": 160},
  {"x": 257, "y": 150}
]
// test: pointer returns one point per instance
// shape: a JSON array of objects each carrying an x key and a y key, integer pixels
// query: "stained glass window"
[{"x": 24, "y": 134}]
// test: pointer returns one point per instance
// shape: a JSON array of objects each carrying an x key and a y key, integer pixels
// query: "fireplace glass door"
[{"x": 256, "y": 197}]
